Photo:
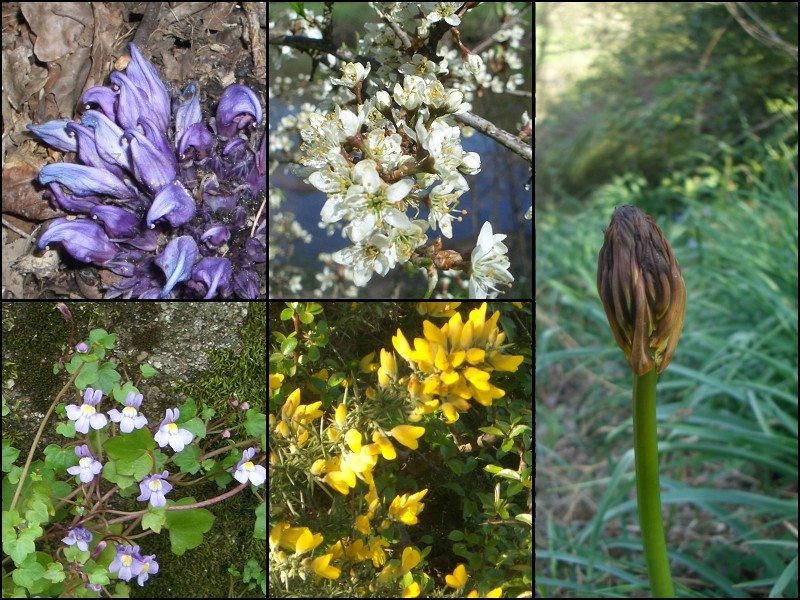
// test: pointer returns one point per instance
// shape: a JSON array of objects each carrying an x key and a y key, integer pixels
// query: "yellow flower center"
[
  {"x": 155, "y": 485},
  {"x": 145, "y": 567},
  {"x": 129, "y": 411},
  {"x": 88, "y": 410},
  {"x": 248, "y": 466},
  {"x": 172, "y": 428},
  {"x": 85, "y": 462},
  {"x": 126, "y": 560}
]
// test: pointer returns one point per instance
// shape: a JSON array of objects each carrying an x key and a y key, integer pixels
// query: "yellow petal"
[
  {"x": 505, "y": 362},
  {"x": 321, "y": 567},
  {"x": 401, "y": 345},
  {"x": 458, "y": 578},
  {"x": 410, "y": 560},
  {"x": 387, "y": 448},
  {"x": 408, "y": 435},
  {"x": 341, "y": 415},
  {"x": 412, "y": 591},
  {"x": 353, "y": 439}
]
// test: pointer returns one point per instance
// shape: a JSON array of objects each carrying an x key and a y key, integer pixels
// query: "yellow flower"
[
  {"x": 405, "y": 508},
  {"x": 408, "y": 435},
  {"x": 386, "y": 447},
  {"x": 388, "y": 369},
  {"x": 412, "y": 591},
  {"x": 321, "y": 567},
  {"x": 437, "y": 309},
  {"x": 411, "y": 559},
  {"x": 458, "y": 579}
]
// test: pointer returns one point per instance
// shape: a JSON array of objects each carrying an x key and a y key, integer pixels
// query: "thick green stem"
[{"x": 648, "y": 492}]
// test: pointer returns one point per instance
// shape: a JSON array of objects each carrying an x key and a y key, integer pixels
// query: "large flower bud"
[{"x": 641, "y": 288}]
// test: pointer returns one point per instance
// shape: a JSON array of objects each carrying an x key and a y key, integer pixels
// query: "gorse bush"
[
  {"x": 63, "y": 532},
  {"x": 405, "y": 470}
]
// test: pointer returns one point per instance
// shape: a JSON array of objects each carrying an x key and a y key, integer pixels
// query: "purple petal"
[
  {"x": 187, "y": 110},
  {"x": 118, "y": 222},
  {"x": 54, "y": 133},
  {"x": 238, "y": 107},
  {"x": 85, "y": 181},
  {"x": 216, "y": 235},
  {"x": 176, "y": 261},
  {"x": 145, "y": 77},
  {"x": 85, "y": 240},
  {"x": 174, "y": 203},
  {"x": 103, "y": 97},
  {"x": 214, "y": 273},
  {"x": 152, "y": 166},
  {"x": 108, "y": 138}
]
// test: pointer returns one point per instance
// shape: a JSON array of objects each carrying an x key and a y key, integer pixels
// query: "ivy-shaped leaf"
[{"x": 186, "y": 527}]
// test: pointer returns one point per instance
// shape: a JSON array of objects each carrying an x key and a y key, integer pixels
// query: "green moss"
[
  {"x": 203, "y": 572},
  {"x": 34, "y": 335}
]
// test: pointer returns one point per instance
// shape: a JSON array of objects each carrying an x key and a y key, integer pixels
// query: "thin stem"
[
  {"x": 648, "y": 492},
  {"x": 38, "y": 436}
]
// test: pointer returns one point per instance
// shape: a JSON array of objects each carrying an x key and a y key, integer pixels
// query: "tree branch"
[
  {"x": 502, "y": 137},
  {"x": 479, "y": 123}
]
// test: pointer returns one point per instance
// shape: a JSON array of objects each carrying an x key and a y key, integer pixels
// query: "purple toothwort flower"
[
  {"x": 154, "y": 488},
  {"x": 171, "y": 203},
  {"x": 87, "y": 414},
  {"x": 170, "y": 433},
  {"x": 129, "y": 419},
  {"x": 88, "y": 466}
]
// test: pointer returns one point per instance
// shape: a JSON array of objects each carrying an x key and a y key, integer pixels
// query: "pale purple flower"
[
  {"x": 129, "y": 419},
  {"x": 170, "y": 433},
  {"x": 246, "y": 470},
  {"x": 82, "y": 348},
  {"x": 87, "y": 414},
  {"x": 149, "y": 567},
  {"x": 80, "y": 536},
  {"x": 88, "y": 466},
  {"x": 127, "y": 562},
  {"x": 154, "y": 487}
]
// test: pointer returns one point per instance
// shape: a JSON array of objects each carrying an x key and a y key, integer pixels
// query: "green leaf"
[
  {"x": 55, "y": 572},
  {"x": 147, "y": 371},
  {"x": 87, "y": 377},
  {"x": 121, "y": 393},
  {"x": 188, "y": 410},
  {"x": 10, "y": 454},
  {"x": 131, "y": 453},
  {"x": 187, "y": 460},
  {"x": 286, "y": 314},
  {"x": 195, "y": 426},
  {"x": 298, "y": 8},
  {"x": 28, "y": 574},
  {"x": 288, "y": 345},
  {"x": 20, "y": 546},
  {"x": 306, "y": 317},
  {"x": 260, "y": 528},
  {"x": 186, "y": 527},
  {"x": 336, "y": 379},
  {"x": 255, "y": 422},
  {"x": 154, "y": 519},
  {"x": 102, "y": 338},
  {"x": 66, "y": 429}
]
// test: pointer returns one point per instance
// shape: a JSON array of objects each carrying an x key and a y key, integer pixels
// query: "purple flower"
[
  {"x": 154, "y": 488},
  {"x": 153, "y": 171},
  {"x": 85, "y": 240},
  {"x": 149, "y": 567},
  {"x": 176, "y": 261},
  {"x": 87, "y": 414},
  {"x": 127, "y": 561},
  {"x": 82, "y": 348},
  {"x": 88, "y": 466},
  {"x": 129, "y": 419},
  {"x": 246, "y": 470},
  {"x": 170, "y": 433},
  {"x": 80, "y": 536}
]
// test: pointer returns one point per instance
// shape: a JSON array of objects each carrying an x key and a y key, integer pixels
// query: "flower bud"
[{"x": 643, "y": 293}]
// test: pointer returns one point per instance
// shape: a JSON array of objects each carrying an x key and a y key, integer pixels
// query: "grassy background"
[{"x": 686, "y": 116}]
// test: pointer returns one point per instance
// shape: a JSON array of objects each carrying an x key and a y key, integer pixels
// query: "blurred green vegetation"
[{"x": 693, "y": 120}]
